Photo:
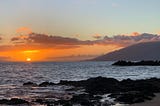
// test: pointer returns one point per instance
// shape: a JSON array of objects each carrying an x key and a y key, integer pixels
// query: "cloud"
[
  {"x": 35, "y": 40},
  {"x": 72, "y": 57},
  {"x": 21, "y": 37},
  {"x": 4, "y": 58},
  {"x": 97, "y": 36},
  {"x": 129, "y": 40},
  {"x": 1, "y": 36},
  {"x": 132, "y": 34},
  {"x": 135, "y": 34},
  {"x": 24, "y": 30}
]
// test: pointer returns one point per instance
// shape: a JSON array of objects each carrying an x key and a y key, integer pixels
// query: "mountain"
[{"x": 140, "y": 51}]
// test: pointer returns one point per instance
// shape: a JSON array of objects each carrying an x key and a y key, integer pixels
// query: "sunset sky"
[{"x": 71, "y": 30}]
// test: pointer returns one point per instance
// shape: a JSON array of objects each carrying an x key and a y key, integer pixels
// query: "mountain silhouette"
[{"x": 140, "y": 51}]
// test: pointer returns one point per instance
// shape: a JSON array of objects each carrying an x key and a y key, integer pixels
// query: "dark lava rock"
[
  {"x": 13, "y": 101},
  {"x": 132, "y": 97},
  {"x": 126, "y": 91},
  {"x": 148, "y": 85},
  {"x": 101, "y": 85},
  {"x": 85, "y": 100},
  {"x": 29, "y": 84},
  {"x": 63, "y": 102},
  {"x": 140, "y": 63},
  {"x": 98, "y": 85},
  {"x": 46, "y": 102},
  {"x": 44, "y": 84}
]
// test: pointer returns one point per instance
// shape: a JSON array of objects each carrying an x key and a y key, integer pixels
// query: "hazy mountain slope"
[{"x": 141, "y": 51}]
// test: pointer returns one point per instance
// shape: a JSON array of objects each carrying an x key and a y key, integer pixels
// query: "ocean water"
[
  {"x": 18, "y": 73},
  {"x": 13, "y": 75}
]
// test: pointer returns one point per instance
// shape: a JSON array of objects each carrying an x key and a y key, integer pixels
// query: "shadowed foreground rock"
[
  {"x": 13, "y": 101},
  {"x": 126, "y": 91}
]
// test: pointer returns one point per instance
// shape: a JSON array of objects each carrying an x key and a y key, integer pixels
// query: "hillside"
[{"x": 141, "y": 51}]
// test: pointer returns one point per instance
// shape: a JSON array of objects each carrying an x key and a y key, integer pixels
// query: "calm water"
[
  {"x": 18, "y": 73},
  {"x": 13, "y": 75}
]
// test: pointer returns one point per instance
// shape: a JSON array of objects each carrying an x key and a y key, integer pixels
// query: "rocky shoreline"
[
  {"x": 90, "y": 92},
  {"x": 138, "y": 63}
]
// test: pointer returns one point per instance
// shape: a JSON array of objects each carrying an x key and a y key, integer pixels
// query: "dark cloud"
[
  {"x": 128, "y": 40},
  {"x": 72, "y": 57},
  {"x": 59, "y": 42},
  {"x": 50, "y": 40},
  {"x": 0, "y": 38}
]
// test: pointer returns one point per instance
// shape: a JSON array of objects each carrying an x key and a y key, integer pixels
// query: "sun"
[{"x": 28, "y": 59}]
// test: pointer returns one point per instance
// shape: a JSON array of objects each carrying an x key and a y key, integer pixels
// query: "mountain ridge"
[{"x": 136, "y": 52}]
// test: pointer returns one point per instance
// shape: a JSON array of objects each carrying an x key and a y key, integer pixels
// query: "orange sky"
[
  {"x": 26, "y": 44},
  {"x": 84, "y": 52}
]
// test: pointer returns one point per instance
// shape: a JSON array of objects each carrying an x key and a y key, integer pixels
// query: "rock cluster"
[
  {"x": 140, "y": 63},
  {"x": 126, "y": 91}
]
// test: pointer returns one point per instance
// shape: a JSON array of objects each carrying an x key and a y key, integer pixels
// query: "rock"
[
  {"x": 126, "y": 91},
  {"x": 63, "y": 103},
  {"x": 29, "y": 84},
  {"x": 44, "y": 84},
  {"x": 98, "y": 85},
  {"x": 4, "y": 101},
  {"x": 85, "y": 100},
  {"x": 101, "y": 85},
  {"x": 13, "y": 101},
  {"x": 140, "y": 63},
  {"x": 44, "y": 101},
  {"x": 132, "y": 97}
]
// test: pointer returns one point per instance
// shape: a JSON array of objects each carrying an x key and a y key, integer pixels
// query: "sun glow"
[{"x": 28, "y": 59}]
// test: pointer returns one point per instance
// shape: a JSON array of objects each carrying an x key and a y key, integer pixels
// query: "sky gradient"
[{"x": 84, "y": 23}]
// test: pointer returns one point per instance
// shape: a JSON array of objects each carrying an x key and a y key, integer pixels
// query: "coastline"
[{"x": 89, "y": 92}]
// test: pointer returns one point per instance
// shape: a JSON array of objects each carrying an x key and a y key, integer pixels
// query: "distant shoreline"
[{"x": 137, "y": 63}]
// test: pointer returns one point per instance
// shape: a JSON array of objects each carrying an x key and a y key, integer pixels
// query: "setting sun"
[{"x": 28, "y": 59}]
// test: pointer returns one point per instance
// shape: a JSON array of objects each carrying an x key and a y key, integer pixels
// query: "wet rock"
[
  {"x": 98, "y": 85},
  {"x": 85, "y": 100},
  {"x": 63, "y": 103},
  {"x": 101, "y": 85},
  {"x": 13, "y": 101},
  {"x": 30, "y": 84},
  {"x": 126, "y": 91},
  {"x": 132, "y": 97},
  {"x": 44, "y": 84},
  {"x": 148, "y": 85},
  {"x": 44, "y": 101},
  {"x": 40, "y": 101}
]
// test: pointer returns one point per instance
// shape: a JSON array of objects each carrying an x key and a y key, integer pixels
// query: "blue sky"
[{"x": 80, "y": 17}]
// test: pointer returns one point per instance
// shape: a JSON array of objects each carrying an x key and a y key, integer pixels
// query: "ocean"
[
  {"x": 18, "y": 73},
  {"x": 13, "y": 75}
]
